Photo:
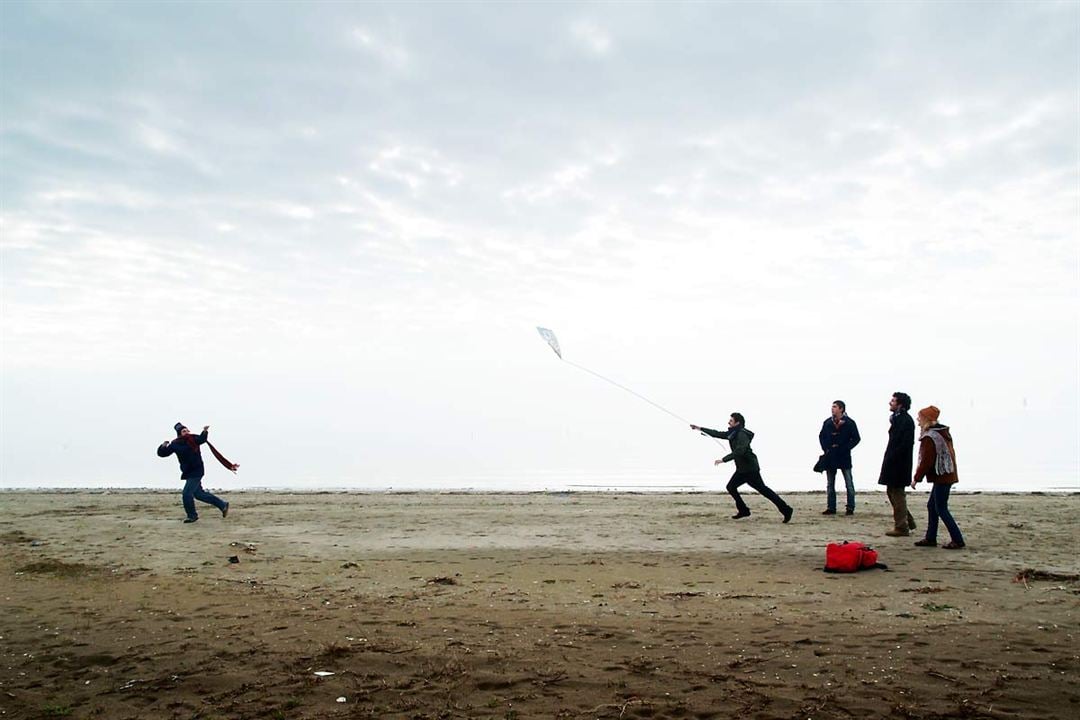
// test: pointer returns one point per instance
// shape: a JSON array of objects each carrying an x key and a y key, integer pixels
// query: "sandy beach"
[{"x": 530, "y": 606}]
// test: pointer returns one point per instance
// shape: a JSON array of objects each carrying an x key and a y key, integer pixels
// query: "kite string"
[
  {"x": 623, "y": 387},
  {"x": 638, "y": 395},
  {"x": 549, "y": 336}
]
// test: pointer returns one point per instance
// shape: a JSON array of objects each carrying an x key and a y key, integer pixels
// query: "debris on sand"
[
  {"x": 442, "y": 580},
  {"x": 1032, "y": 574},
  {"x": 336, "y": 650},
  {"x": 58, "y": 568},
  {"x": 14, "y": 537}
]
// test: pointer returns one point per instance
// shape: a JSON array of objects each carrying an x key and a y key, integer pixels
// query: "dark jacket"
[
  {"x": 928, "y": 458},
  {"x": 188, "y": 453},
  {"x": 896, "y": 466},
  {"x": 837, "y": 444},
  {"x": 739, "y": 438}
]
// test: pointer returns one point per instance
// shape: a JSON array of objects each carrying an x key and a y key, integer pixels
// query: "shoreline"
[{"x": 470, "y": 491}]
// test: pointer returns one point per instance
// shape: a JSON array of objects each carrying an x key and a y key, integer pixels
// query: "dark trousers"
[
  {"x": 938, "y": 507},
  {"x": 193, "y": 490},
  {"x": 902, "y": 519},
  {"x": 753, "y": 479}
]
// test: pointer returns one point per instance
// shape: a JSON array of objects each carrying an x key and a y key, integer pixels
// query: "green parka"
[{"x": 739, "y": 438}]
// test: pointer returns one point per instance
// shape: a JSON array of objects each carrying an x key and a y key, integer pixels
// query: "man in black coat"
[
  {"x": 896, "y": 467},
  {"x": 838, "y": 437}
]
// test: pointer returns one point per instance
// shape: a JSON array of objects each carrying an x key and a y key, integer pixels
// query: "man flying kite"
[{"x": 747, "y": 469}]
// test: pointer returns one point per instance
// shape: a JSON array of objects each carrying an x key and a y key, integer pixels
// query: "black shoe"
[
  {"x": 926, "y": 543},
  {"x": 191, "y": 520},
  {"x": 849, "y": 511},
  {"x": 787, "y": 513},
  {"x": 225, "y": 511},
  {"x": 828, "y": 512},
  {"x": 741, "y": 514}
]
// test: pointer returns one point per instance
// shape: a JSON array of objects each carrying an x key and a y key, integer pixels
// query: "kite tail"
[{"x": 222, "y": 459}]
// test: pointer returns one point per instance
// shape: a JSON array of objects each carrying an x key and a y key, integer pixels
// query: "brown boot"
[{"x": 897, "y": 533}]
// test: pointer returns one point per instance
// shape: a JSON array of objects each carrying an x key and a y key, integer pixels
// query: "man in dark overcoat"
[
  {"x": 838, "y": 437},
  {"x": 896, "y": 466}
]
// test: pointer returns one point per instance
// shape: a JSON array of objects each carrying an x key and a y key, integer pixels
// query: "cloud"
[
  {"x": 390, "y": 53},
  {"x": 415, "y": 167},
  {"x": 168, "y": 144},
  {"x": 111, "y": 195},
  {"x": 157, "y": 140},
  {"x": 294, "y": 211},
  {"x": 569, "y": 177},
  {"x": 591, "y": 37}
]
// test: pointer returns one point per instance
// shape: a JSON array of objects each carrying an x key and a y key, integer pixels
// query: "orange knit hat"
[{"x": 931, "y": 413}]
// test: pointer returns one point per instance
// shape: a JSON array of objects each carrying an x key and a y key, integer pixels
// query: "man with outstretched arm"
[
  {"x": 747, "y": 469},
  {"x": 186, "y": 449}
]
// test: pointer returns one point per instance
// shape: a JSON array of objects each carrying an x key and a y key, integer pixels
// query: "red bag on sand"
[{"x": 849, "y": 557}]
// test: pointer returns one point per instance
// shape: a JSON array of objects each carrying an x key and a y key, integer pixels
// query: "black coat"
[
  {"x": 837, "y": 444},
  {"x": 896, "y": 467},
  {"x": 191, "y": 464}
]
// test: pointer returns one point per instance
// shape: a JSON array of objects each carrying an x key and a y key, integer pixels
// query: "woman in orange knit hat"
[{"x": 937, "y": 463}]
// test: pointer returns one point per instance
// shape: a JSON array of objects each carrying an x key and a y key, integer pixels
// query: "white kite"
[{"x": 551, "y": 340}]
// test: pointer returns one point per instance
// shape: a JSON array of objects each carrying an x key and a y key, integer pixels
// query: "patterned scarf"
[{"x": 943, "y": 463}]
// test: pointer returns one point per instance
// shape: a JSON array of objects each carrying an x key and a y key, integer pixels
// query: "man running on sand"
[
  {"x": 747, "y": 469},
  {"x": 186, "y": 449}
]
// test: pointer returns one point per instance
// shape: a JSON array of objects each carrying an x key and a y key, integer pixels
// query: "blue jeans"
[
  {"x": 938, "y": 505},
  {"x": 193, "y": 490},
  {"x": 849, "y": 484}
]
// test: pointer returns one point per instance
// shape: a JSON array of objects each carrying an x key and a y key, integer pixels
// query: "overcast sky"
[{"x": 329, "y": 231}]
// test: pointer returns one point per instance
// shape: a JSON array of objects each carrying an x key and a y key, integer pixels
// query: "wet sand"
[{"x": 530, "y": 606}]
